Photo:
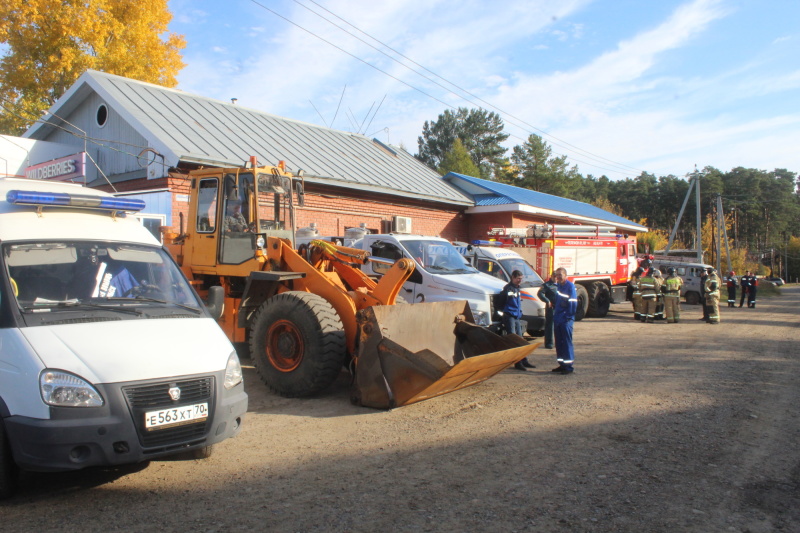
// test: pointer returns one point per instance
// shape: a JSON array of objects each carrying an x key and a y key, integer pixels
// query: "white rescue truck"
[
  {"x": 442, "y": 274},
  {"x": 107, "y": 355},
  {"x": 500, "y": 262}
]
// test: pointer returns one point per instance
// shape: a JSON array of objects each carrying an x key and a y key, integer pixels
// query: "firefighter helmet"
[{"x": 670, "y": 270}]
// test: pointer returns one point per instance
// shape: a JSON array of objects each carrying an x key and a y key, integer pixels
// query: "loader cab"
[{"x": 237, "y": 209}]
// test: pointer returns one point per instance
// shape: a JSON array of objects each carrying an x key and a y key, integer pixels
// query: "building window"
[{"x": 102, "y": 115}]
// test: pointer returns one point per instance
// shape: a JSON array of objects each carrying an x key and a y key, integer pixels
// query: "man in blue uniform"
[
  {"x": 563, "y": 320},
  {"x": 511, "y": 301}
]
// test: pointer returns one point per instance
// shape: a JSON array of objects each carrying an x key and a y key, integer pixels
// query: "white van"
[
  {"x": 442, "y": 274},
  {"x": 500, "y": 262},
  {"x": 107, "y": 355}
]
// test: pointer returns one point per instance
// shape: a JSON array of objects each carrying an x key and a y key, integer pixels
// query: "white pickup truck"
[
  {"x": 107, "y": 355},
  {"x": 442, "y": 274}
]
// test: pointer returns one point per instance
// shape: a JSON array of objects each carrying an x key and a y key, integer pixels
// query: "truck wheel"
[
  {"x": 583, "y": 302},
  {"x": 9, "y": 473},
  {"x": 692, "y": 298},
  {"x": 599, "y": 300},
  {"x": 297, "y": 343}
]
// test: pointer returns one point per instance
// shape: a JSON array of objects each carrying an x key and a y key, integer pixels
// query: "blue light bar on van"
[{"x": 85, "y": 201}]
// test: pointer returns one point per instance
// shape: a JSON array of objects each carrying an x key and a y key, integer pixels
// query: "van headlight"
[
  {"x": 233, "y": 371},
  {"x": 481, "y": 317},
  {"x": 63, "y": 389}
]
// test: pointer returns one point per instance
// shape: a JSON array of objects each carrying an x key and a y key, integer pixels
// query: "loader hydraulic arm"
[
  {"x": 330, "y": 272},
  {"x": 324, "y": 255}
]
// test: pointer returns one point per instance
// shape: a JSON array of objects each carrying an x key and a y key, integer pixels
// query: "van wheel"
[
  {"x": 297, "y": 343},
  {"x": 583, "y": 302},
  {"x": 9, "y": 472},
  {"x": 599, "y": 300},
  {"x": 692, "y": 298}
]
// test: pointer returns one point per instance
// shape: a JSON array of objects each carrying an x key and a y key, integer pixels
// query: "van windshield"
[
  {"x": 529, "y": 276},
  {"x": 437, "y": 257},
  {"x": 63, "y": 274}
]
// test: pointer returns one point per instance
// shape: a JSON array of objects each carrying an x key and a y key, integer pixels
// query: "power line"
[
  {"x": 398, "y": 79},
  {"x": 564, "y": 143},
  {"x": 621, "y": 168}
]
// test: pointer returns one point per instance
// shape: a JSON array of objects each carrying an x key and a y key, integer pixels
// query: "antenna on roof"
[
  {"x": 318, "y": 113},
  {"x": 338, "y": 106},
  {"x": 375, "y": 113}
]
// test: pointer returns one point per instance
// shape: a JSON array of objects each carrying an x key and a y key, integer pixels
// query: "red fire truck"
[{"x": 598, "y": 260}]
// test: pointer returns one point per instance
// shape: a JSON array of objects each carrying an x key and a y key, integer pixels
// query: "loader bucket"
[{"x": 409, "y": 353}]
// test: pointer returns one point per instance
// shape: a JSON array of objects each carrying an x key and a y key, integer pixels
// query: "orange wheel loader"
[{"x": 306, "y": 314}]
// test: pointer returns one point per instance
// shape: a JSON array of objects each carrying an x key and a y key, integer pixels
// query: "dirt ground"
[{"x": 662, "y": 428}]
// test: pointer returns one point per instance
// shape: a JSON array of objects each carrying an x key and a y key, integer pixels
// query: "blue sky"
[{"x": 618, "y": 86}]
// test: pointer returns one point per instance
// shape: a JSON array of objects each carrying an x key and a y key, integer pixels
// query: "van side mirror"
[{"x": 216, "y": 301}]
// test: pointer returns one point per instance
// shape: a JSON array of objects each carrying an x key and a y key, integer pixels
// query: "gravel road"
[{"x": 662, "y": 428}]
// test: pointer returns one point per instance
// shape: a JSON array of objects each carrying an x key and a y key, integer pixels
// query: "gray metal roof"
[
  {"x": 190, "y": 128},
  {"x": 494, "y": 193}
]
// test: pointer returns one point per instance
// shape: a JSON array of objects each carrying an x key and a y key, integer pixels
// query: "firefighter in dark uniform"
[
  {"x": 672, "y": 296},
  {"x": 548, "y": 293},
  {"x": 636, "y": 294},
  {"x": 650, "y": 286},
  {"x": 712, "y": 286},
  {"x": 703, "y": 278},
  {"x": 751, "y": 292},
  {"x": 745, "y": 283},
  {"x": 732, "y": 284}
]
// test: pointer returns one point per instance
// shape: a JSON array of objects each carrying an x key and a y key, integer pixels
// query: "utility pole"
[
  {"x": 699, "y": 220},
  {"x": 694, "y": 181},
  {"x": 722, "y": 232}
]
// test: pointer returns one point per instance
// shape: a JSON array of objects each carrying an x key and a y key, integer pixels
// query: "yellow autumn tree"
[{"x": 48, "y": 44}]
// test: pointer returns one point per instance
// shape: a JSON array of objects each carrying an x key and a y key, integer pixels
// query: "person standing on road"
[
  {"x": 650, "y": 287},
  {"x": 703, "y": 278},
  {"x": 511, "y": 300},
  {"x": 548, "y": 293},
  {"x": 745, "y": 284},
  {"x": 712, "y": 286},
  {"x": 751, "y": 292},
  {"x": 672, "y": 296},
  {"x": 636, "y": 296},
  {"x": 731, "y": 284},
  {"x": 659, "y": 313},
  {"x": 563, "y": 320}
]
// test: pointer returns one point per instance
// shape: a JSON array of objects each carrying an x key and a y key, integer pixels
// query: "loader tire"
[
  {"x": 599, "y": 300},
  {"x": 583, "y": 302},
  {"x": 297, "y": 343},
  {"x": 9, "y": 473}
]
